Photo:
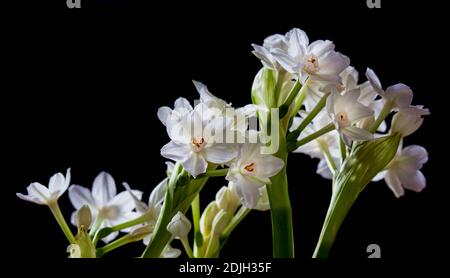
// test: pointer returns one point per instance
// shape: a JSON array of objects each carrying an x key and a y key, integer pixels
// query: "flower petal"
[
  {"x": 79, "y": 196},
  {"x": 248, "y": 191},
  {"x": 124, "y": 201},
  {"x": 195, "y": 164},
  {"x": 374, "y": 81},
  {"x": 393, "y": 182},
  {"x": 57, "y": 184},
  {"x": 220, "y": 153},
  {"x": 175, "y": 151},
  {"x": 267, "y": 166},
  {"x": 357, "y": 134},
  {"x": 103, "y": 189}
]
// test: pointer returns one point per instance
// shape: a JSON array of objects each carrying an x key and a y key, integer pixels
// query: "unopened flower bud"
[
  {"x": 207, "y": 218},
  {"x": 221, "y": 221},
  {"x": 84, "y": 217},
  {"x": 179, "y": 226}
]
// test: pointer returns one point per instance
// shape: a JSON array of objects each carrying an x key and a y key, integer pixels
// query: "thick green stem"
[
  {"x": 54, "y": 207},
  {"x": 280, "y": 208},
  {"x": 161, "y": 236}
]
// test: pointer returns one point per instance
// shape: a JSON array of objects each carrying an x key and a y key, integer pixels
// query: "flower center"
[
  {"x": 311, "y": 64},
  {"x": 250, "y": 167},
  {"x": 109, "y": 212},
  {"x": 343, "y": 119},
  {"x": 198, "y": 144}
]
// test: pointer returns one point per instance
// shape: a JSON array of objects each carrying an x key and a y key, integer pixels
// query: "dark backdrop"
[{"x": 84, "y": 87}]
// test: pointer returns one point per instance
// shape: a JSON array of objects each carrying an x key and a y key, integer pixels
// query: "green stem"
[
  {"x": 284, "y": 108},
  {"x": 195, "y": 206},
  {"x": 54, "y": 207},
  {"x": 308, "y": 119},
  {"x": 383, "y": 114},
  {"x": 328, "y": 157},
  {"x": 312, "y": 136},
  {"x": 298, "y": 102},
  {"x": 187, "y": 247},
  {"x": 342, "y": 149},
  {"x": 161, "y": 236},
  {"x": 280, "y": 208},
  {"x": 214, "y": 173},
  {"x": 340, "y": 204},
  {"x": 113, "y": 245},
  {"x": 238, "y": 217}
]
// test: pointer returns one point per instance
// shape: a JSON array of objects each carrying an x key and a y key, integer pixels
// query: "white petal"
[
  {"x": 164, "y": 114},
  {"x": 182, "y": 104},
  {"x": 103, "y": 189},
  {"x": 320, "y": 47},
  {"x": 379, "y": 176},
  {"x": 415, "y": 181},
  {"x": 357, "y": 134},
  {"x": 174, "y": 151},
  {"x": 323, "y": 170},
  {"x": 401, "y": 94},
  {"x": 374, "y": 81},
  {"x": 332, "y": 64},
  {"x": 124, "y": 201},
  {"x": 394, "y": 184},
  {"x": 195, "y": 164},
  {"x": 267, "y": 166},
  {"x": 248, "y": 191},
  {"x": 158, "y": 194},
  {"x": 31, "y": 199},
  {"x": 415, "y": 154},
  {"x": 39, "y": 192},
  {"x": 220, "y": 153},
  {"x": 405, "y": 123},
  {"x": 57, "y": 184},
  {"x": 80, "y": 196},
  {"x": 286, "y": 61},
  {"x": 263, "y": 202},
  {"x": 298, "y": 41}
]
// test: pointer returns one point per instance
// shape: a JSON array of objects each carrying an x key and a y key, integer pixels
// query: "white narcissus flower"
[
  {"x": 399, "y": 96},
  {"x": 41, "y": 195},
  {"x": 403, "y": 172},
  {"x": 408, "y": 121},
  {"x": 317, "y": 60},
  {"x": 107, "y": 207},
  {"x": 198, "y": 141},
  {"x": 270, "y": 43},
  {"x": 171, "y": 118},
  {"x": 250, "y": 171},
  {"x": 345, "y": 111},
  {"x": 179, "y": 226}
]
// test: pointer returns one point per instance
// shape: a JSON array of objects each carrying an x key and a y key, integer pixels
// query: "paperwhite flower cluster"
[
  {"x": 306, "y": 99},
  {"x": 351, "y": 107}
]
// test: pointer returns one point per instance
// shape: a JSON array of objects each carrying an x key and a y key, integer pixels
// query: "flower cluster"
[{"x": 306, "y": 98}]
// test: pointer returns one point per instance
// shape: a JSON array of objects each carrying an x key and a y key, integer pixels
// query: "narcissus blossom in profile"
[
  {"x": 107, "y": 207},
  {"x": 408, "y": 121},
  {"x": 345, "y": 111},
  {"x": 264, "y": 52},
  {"x": 41, "y": 195},
  {"x": 317, "y": 60},
  {"x": 403, "y": 172},
  {"x": 250, "y": 171}
]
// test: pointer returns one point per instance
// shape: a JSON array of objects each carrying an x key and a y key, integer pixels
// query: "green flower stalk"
[{"x": 362, "y": 164}]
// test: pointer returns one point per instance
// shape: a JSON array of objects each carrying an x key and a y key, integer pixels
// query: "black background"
[{"x": 84, "y": 86}]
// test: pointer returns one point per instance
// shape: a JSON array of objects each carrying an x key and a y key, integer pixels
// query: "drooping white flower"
[
  {"x": 345, "y": 111},
  {"x": 107, "y": 207},
  {"x": 179, "y": 226},
  {"x": 250, "y": 171},
  {"x": 171, "y": 118},
  {"x": 403, "y": 172},
  {"x": 400, "y": 96},
  {"x": 198, "y": 141},
  {"x": 41, "y": 195},
  {"x": 408, "y": 121},
  {"x": 317, "y": 60},
  {"x": 270, "y": 43}
]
